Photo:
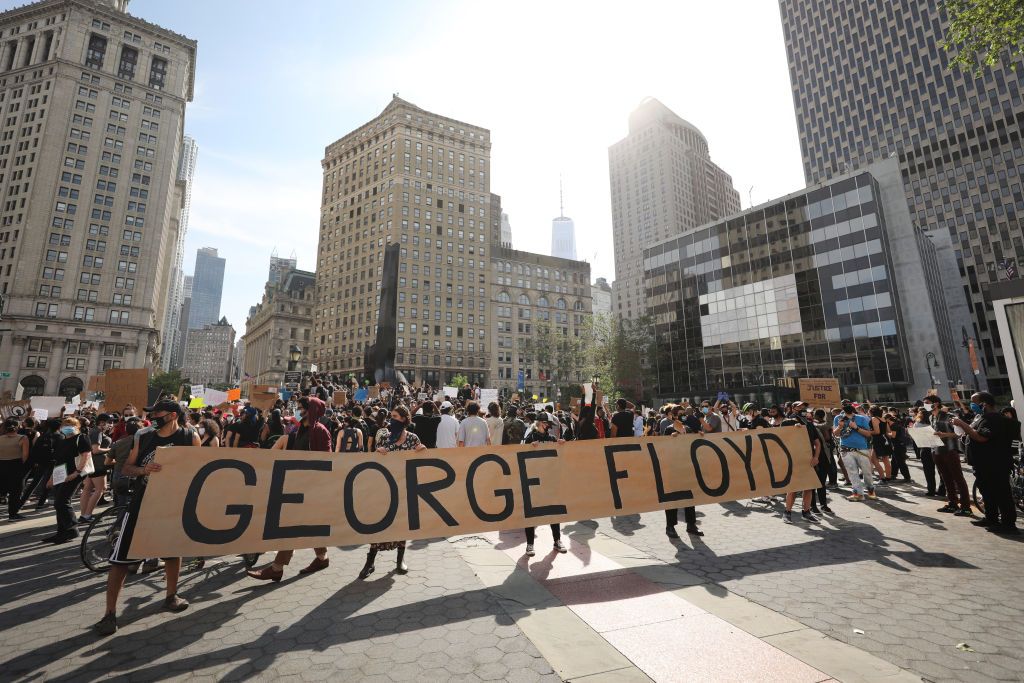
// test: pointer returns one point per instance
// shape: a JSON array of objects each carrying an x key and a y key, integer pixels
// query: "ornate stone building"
[
  {"x": 208, "y": 353},
  {"x": 93, "y": 104},
  {"x": 284, "y": 317}
]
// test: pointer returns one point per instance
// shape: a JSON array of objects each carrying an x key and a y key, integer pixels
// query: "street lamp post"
[
  {"x": 931, "y": 361},
  {"x": 294, "y": 354}
]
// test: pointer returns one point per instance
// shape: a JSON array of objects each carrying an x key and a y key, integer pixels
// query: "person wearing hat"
[
  {"x": 141, "y": 462},
  {"x": 447, "y": 428},
  {"x": 795, "y": 416},
  {"x": 540, "y": 434},
  {"x": 751, "y": 418}
]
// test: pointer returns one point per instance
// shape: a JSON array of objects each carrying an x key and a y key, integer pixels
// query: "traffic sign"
[{"x": 5, "y": 375}]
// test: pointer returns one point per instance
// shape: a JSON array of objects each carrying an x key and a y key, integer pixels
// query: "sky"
[{"x": 554, "y": 82}]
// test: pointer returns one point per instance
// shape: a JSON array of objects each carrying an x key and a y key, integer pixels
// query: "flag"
[{"x": 1010, "y": 266}]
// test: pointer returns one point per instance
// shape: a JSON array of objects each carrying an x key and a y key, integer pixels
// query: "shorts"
[
  {"x": 98, "y": 466},
  {"x": 119, "y": 555}
]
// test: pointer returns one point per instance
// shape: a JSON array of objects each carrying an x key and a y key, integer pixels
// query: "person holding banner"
[
  {"x": 396, "y": 437},
  {"x": 165, "y": 416},
  {"x": 540, "y": 434},
  {"x": 311, "y": 435}
]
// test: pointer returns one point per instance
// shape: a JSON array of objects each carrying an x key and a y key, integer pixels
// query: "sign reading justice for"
[{"x": 208, "y": 502}]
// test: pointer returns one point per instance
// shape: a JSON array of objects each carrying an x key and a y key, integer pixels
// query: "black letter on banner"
[
  {"x": 350, "y": 508},
  {"x": 195, "y": 529},
  {"x": 527, "y": 482},
  {"x": 659, "y": 481},
  {"x": 414, "y": 490},
  {"x": 613, "y": 474},
  {"x": 501, "y": 493},
  {"x": 700, "y": 476},
  {"x": 746, "y": 457},
  {"x": 771, "y": 470},
  {"x": 272, "y": 526}
]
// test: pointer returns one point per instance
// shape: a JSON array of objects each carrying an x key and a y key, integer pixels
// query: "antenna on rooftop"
[{"x": 561, "y": 198}]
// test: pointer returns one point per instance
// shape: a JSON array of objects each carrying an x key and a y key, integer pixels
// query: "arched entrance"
[
  {"x": 33, "y": 385},
  {"x": 71, "y": 386}
]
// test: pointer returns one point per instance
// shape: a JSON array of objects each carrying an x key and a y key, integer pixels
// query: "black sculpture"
[{"x": 380, "y": 356}]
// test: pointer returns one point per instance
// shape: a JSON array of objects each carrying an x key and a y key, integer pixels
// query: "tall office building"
[
  {"x": 94, "y": 105},
  {"x": 601, "y": 296},
  {"x": 872, "y": 81},
  {"x": 563, "y": 238},
  {"x": 506, "y": 231},
  {"x": 421, "y": 179},
  {"x": 178, "y": 352},
  {"x": 207, "y": 287},
  {"x": 186, "y": 170},
  {"x": 662, "y": 183},
  {"x": 279, "y": 267}
]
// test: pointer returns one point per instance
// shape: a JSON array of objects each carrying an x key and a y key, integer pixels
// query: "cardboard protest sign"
[
  {"x": 487, "y": 396},
  {"x": 263, "y": 400},
  {"x": 340, "y": 398},
  {"x": 210, "y": 502},
  {"x": 820, "y": 393},
  {"x": 450, "y": 392},
  {"x": 122, "y": 386},
  {"x": 234, "y": 394},
  {"x": 95, "y": 384},
  {"x": 197, "y": 402},
  {"x": 373, "y": 392},
  {"x": 212, "y": 397},
  {"x": 264, "y": 389}
]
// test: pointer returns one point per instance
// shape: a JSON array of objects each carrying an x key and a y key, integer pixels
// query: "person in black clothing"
[
  {"x": 425, "y": 425},
  {"x": 989, "y": 452},
  {"x": 689, "y": 512},
  {"x": 74, "y": 454},
  {"x": 141, "y": 462},
  {"x": 622, "y": 420},
  {"x": 539, "y": 434},
  {"x": 41, "y": 457},
  {"x": 898, "y": 427},
  {"x": 752, "y": 418}
]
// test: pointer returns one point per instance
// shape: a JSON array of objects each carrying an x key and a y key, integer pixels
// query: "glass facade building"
[{"x": 800, "y": 287}]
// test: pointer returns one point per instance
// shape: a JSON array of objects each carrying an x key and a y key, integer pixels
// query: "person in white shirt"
[
  {"x": 473, "y": 430},
  {"x": 495, "y": 425},
  {"x": 448, "y": 429},
  {"x": 638, "y": 423}
]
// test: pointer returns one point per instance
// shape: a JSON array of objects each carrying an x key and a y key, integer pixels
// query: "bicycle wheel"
[
  {"x": 979, "y": 500},
  {"x": 99, "y": 539},
  {"x": 1017, "y": 491}
]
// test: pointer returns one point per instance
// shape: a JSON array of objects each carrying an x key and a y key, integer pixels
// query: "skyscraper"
[
  {"x": 178, "y": 352},
  {"x": 563, "y": 238},
  {"x": 186, "y": 170},
  {"x": 87, "y": 175},
  {"x": 871, "y": 81},
  {"x": 207, "y": 287},
  {"x": 662, "y": 183},
  {"x": 506, "y": 231},
  {"x": 279, "y": 266},
  {"x": 421, "y": 179}
]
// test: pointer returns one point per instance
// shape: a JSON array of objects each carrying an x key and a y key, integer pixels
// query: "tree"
[
  {"x": 984, "y": 32},
  {"x": 459, "y": 381},
  {"x": 167, "y": 382},
  {"x": 563, "y": 359}
]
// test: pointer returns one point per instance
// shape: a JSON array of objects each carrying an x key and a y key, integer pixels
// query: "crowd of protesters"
[{"x": 107, "y": 457}]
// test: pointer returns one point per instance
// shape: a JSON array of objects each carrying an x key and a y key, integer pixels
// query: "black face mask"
[{"x": 163, "y": 420}]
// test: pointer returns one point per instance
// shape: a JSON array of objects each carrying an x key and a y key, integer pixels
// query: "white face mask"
[
  {"x": 202, "y": 431},
  {"x": 931, "y": 407}
]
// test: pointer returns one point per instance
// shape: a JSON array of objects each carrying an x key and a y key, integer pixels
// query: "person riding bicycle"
[{"x": 141, "y": 462}]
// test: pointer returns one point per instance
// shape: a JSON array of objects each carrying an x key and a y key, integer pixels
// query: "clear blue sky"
[{"x": 554, "y": 82}]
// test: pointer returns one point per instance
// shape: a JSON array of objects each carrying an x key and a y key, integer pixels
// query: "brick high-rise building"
[
  {"x": 662, "y": 183},
  {"x": 421, "y": 179},
  {"x": 871, "y": 81},
  {"x": 208, "y": 353},
  {"x": 93, "y": 111}
]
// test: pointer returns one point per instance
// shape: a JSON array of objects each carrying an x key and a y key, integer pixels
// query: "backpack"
[
  {"x": 44, "y": 450},
  {"x": 349, "y": 441},
  {"x": 514, "y": 431}
]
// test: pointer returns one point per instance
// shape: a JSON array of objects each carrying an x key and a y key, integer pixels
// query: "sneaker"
[
  {"x": 15, "y": 517},
  {"x": 984, "y": 521},
  {"x": 946, "y": 508},
  {"x": 85, "y": 519},
  {"x": 529, "y": 550},
  {"x": 560, "y": 547},
  {"x": 694, "y": 531},
  {"x": 856, "y": 498},
  {"x": 787, "y": 516},
  {"x": 966, "y": 512},
  {"x": 827, "y": 510},
  {"x": 872, "y": 496},
  {"x": 107, "y": 626},
  {"x": 670, "y": 531},
  {"x": 808, "y": 516},
  {"x": 175, "y": 603}
]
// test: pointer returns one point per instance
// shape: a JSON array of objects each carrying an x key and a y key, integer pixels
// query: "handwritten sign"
[
  {"x": 820, "y": 393},
  {"x": 206, "y": 502}
]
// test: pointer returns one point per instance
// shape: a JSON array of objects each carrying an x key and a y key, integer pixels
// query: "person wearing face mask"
[
  {"x": 947, "y": 461},
  {"x": 209, "y": 433},
  {"x": 118, "y": 432},
  {"x": 853, "y": 431},
  {"x": 710, "y": 422},
  {"x": 74, "y": 460},
  {"x": 541, "y": 433},
  {"x": 396, "y": 437},
  {"x": 989, "y": 451},
  {"x": 311, "y": 435},
  {"x": 926, "y": 454}
]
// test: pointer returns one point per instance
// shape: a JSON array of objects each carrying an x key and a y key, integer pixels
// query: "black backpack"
[
  {"x": 349, "y": 440},
  {"x": 44, "y": 450}
]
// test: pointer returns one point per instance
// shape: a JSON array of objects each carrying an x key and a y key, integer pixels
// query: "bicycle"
[
  {"x": 1016, "y": 486},
  {"x": 101, "y": 536}
]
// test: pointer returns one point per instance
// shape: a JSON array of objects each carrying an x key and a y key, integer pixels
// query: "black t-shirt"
[
  {"x": 150, "y": 440},
  {"x": 248, "y": 432},
  {"x": 623, "y": 421},
  {"x": 692, "y": 424},
  {"x": 537, "y": 435},
  {"x": 69, "y": 449},
  {"x": 755, "y": 422},
  {"x": 426, "y": 429},
  {"x": 996, "y": 452}
]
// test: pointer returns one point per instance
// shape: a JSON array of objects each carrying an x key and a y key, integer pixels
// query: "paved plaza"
[{"x": 884, "y": 591}]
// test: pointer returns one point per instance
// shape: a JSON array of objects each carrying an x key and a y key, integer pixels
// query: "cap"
[
  {"x": 543, "y": 417},
  {"x": 446, "y": 405},
  {"x": 798, "y": 404},
  {"x": 746, "y": 407},
  {"x": 166, "y": 406},
  {"x": 103, "y": 417}
]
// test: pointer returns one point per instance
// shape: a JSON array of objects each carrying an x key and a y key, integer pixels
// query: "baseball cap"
[
  {"x": 446, "y": 405},
  {"x": 166, "y": 406},
  {"x": 798, "y": 404},
  {"x": 543, "y": 417}
]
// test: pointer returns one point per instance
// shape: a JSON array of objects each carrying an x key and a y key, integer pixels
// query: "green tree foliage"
[
  {"x": 620, "y": 356},
  {"x": 168, "y": 382},
  {"x": 459, "y": 381},
  {"x": 985, "y": 32}
]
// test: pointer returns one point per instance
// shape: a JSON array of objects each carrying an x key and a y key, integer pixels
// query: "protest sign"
[
  {"x": 122, "y": 386},
  {"x": 264, "y": 400},
  {"x": 450, "y": 392},
  {"x": 51, "y": 405},
  {"x": 196, "y": 402},
  {"x": 360, "y": 394},
  {"x": 487, "y": 396},
  {"x": 820, "y": 393},
  {"x": 234, "y": 394},
  {"x": 206, "y": 503},
  {"x": 198, "y": 390},
  {"x": 924, "y": 437},
  {"x": 212, "y": 397},
  {"x": 373, "y": 392},
  {"x": 340, "y": 398},
  {"x": 40, "y": 414}
]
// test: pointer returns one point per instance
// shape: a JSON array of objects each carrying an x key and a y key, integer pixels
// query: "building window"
[
  {"x": 97, "y": 50},
  {"x": 126, "y": 67},
  {"x": 158, "y": 73}
]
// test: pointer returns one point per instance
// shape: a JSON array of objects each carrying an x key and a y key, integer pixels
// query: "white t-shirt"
[
  {"x": 446, "y": 431},
  {"x": 496, "y": 428},
  {"x": 473, "y": 431}
]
